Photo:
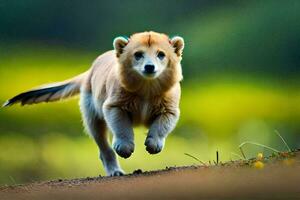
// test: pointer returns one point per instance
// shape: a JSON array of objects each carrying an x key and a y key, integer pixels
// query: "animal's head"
[{"x": 150, "y": 56}]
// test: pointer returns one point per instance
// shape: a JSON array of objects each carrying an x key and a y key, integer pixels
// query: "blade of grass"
[
  {"x": 195, "y": 158},
  {"x": 12, "y": 180},
  {"x": 257, "y": 144},
  {"x": 286, "y": 145},
  {"x": 242, "y": 152}
]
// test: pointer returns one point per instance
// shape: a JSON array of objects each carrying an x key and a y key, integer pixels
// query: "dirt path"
[{"x": 278, "y": 179}]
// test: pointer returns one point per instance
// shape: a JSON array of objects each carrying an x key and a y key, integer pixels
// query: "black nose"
[{"x": 149, "y": 69}]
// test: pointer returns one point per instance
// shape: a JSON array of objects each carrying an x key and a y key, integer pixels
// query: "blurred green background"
[{"x": 241, "y": 67}]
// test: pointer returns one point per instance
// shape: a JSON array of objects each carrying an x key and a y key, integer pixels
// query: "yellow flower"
[
  {"x": 259, "y": 165},
  {"x": 260, "y": 156}
]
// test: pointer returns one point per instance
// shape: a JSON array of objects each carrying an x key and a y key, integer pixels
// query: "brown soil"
[{"x": 278, "y": 179}]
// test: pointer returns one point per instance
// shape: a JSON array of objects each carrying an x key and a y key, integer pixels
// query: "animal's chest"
[{"x": 144, "y": 111}]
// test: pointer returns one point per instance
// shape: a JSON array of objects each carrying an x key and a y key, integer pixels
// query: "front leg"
[
  {"x": 121, "y": 127},
  {"x": 159, "y": 130}
]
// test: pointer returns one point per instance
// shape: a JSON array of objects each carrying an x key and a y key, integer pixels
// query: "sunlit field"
[{"x": 47, "y": 141}]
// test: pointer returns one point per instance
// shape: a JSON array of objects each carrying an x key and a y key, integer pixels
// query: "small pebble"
[{"x": 138, "y": 171}]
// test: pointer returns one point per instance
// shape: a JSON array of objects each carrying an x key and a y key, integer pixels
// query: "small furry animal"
[{"x": 137, "y": 83}]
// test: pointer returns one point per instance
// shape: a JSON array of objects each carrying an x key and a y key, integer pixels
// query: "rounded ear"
[
  {"x": 178, "y": 44},
  {"x": 119, "y": 44}
]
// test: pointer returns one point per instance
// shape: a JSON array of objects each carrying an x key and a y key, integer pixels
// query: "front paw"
[
  {"x": 154, "y": 144},
  {"x": 123, "y": 148}
]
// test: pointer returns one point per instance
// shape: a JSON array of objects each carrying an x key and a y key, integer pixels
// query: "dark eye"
[
  {"x": 161, "y": 55},
  {"x": 138, "y": 55}
]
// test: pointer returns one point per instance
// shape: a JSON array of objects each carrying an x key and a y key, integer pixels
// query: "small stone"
[{"x": 138, "y": 171}]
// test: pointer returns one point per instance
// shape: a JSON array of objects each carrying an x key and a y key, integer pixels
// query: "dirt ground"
[{"x": 273, "y": 178}]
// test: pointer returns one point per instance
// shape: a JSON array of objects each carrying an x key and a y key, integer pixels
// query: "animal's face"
[
  {"x": 149, "y": 61},
  {"x": 149, "y": 54}
]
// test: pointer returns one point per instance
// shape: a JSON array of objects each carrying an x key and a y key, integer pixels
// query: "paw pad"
[
  {"x": 154, "y": 145},
  {"x": 124, "y": 149}
]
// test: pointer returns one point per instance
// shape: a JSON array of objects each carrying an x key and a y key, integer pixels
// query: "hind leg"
[
  {"x": 107, "y": 154},
  {"x": 96, "y": 127}
]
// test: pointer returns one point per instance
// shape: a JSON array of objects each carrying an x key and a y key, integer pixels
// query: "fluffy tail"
[{"x": 50, "y": 92}]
